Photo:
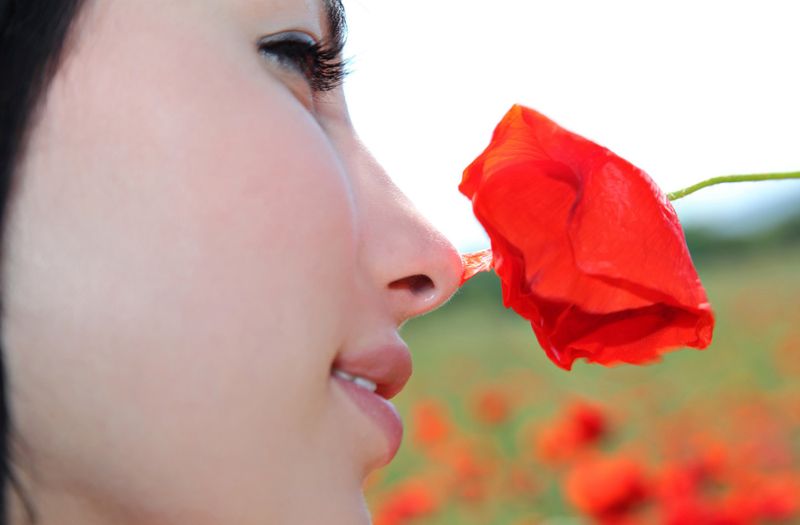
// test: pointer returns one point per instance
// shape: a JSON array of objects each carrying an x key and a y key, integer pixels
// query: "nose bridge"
[{"x": 412, "y": 265}]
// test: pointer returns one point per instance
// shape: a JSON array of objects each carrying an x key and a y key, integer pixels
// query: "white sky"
[{"x": 683, "y": 89}]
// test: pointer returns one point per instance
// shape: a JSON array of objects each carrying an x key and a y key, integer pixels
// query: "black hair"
[{"x": 32, "y": 36}]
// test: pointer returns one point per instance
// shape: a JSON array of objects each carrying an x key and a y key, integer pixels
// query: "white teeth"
[
  {"x": 342, "y": 374},
  {"x": 360, "y": 381},
  {"x": 365, "y": 383}
]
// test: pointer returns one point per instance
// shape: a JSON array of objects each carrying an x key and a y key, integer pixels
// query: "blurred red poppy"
[
  {"x": 606, "y": 487},
  {"x": 577, "y": 430},
  {"x": 431, "y": 423},
  {"x": 492, "y": 406},
  {"x": 587, "y": 247},
  {"x": 407, "y": 503}
]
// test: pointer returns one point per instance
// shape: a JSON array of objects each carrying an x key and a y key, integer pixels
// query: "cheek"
[{"x": 188, "y": 250}]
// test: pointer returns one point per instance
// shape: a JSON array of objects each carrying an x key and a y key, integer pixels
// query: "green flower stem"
[{"x": 675, "y": 195}]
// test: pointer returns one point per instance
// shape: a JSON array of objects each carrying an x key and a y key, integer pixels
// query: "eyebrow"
[{"x": 337, "y": 21}]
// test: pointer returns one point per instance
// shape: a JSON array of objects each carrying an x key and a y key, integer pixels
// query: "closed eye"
[{"x": 319, "y": 63}]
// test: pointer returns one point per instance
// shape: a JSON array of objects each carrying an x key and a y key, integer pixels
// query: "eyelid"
[
  {"x": 287, "y": 46},
  {"x": 320, "y": 62},
  {"x": 288, "y": 36}
]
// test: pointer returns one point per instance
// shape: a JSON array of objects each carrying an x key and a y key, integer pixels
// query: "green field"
[{"x": 738, "y": 401}]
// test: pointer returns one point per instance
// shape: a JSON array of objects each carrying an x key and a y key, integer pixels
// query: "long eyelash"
[{"x": 328, "y": 68}]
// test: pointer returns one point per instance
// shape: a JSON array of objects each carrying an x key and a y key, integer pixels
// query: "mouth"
[
  {"x": 360, "y": 381},
  {"x": 370, "y": 378},
  {"x": 363, "y": 392},
  {"x": 384, "y": 370}
]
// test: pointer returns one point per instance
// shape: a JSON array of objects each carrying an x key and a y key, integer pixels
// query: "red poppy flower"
[
  {"x": 577, "y": 430},
  {"x": 407, "y": 503},
  {"x": 431, "y": 423},
  {"x": 492, "y": 406},
  {"x": 605, "y": 487},
  {"x": 587, "y": 247}
]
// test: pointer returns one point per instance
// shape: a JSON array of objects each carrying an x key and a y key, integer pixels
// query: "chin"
[{"x": 355, "y": 512}]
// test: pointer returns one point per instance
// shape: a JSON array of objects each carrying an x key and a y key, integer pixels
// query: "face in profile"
[{"x": 199, "y": 256}]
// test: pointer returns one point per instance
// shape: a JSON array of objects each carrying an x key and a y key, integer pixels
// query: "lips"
[
  {"x": 378, "y": 410},
  {"x": 389, "y": 368}
]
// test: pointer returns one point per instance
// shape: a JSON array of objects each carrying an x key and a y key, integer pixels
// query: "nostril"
[{"x": 417, "y": 284}]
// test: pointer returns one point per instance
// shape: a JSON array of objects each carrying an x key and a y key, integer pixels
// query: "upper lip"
[{"x": 388, "y": 366}]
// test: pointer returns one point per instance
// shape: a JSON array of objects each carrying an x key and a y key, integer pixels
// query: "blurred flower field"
[{"x": 497, "y": 434}]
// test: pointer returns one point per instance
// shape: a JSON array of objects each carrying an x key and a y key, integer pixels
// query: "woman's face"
[{"x": 195, "y": 240}]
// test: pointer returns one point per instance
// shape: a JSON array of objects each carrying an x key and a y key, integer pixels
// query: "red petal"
[
  {"x": 475, "y": 263},
  {"x": 587, "y": 247}
]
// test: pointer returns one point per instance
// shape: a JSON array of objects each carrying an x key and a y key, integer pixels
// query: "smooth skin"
[{"x": 193, "y": 238}]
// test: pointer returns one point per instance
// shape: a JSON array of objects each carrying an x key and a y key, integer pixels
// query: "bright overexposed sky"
[{"x": 685, "y": 90}]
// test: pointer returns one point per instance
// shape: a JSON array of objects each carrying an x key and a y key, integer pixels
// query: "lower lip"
[{"x": 379, "y": 410}]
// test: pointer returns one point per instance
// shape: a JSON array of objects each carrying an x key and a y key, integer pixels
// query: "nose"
[{"x": 412, "y": 265}]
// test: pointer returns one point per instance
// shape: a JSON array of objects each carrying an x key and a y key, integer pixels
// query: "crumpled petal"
[
  {"x": 586, "y": 245},
  {"x": 474, "y": 263}
]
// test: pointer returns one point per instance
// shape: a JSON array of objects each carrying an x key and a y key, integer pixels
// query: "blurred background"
[{"x": 495, "y": 433}]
